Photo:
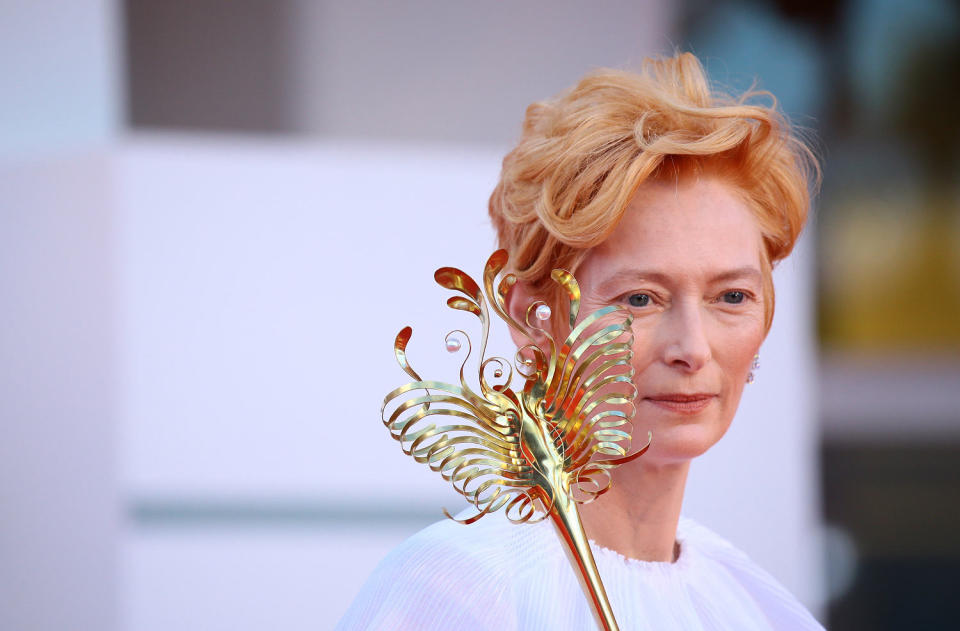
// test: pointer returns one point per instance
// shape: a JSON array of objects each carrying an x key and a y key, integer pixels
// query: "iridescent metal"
[{"x": 539, "y": 452}]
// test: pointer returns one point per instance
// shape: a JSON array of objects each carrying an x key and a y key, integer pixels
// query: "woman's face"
[{"x": 685, "y": 260}]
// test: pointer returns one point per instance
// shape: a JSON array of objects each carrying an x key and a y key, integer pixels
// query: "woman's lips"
[{"x": 681, "y": 403}]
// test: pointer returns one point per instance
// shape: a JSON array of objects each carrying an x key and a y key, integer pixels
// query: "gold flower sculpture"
[{"x": 539, "y": 451}]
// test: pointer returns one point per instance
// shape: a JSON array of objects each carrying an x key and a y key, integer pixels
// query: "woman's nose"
[{"x": 687, "y": 346}]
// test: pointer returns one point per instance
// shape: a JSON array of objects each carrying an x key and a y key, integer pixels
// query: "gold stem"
[{"x": 566, "y": 520}]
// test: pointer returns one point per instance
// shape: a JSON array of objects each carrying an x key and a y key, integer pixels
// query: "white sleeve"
[
  {"x": 428, "y": 583},
  {"x": 777, "y": 605}
]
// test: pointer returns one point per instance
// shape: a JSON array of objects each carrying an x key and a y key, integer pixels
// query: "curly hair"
[{"x": 583, "y": 155}]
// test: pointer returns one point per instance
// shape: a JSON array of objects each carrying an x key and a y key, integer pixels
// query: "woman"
[{"x": 675, "y": 203}]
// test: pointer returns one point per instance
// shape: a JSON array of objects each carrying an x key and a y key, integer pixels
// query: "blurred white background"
[{"x": 214, "y": 217}]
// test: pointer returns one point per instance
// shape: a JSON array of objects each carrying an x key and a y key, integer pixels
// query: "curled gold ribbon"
[{"x": 538, "y": 452}]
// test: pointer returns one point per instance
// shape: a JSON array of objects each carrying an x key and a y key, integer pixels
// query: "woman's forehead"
[{"x": 703, "y": 229}]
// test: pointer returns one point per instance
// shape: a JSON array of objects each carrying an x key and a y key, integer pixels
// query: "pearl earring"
[{"x": 751, "y": 377}]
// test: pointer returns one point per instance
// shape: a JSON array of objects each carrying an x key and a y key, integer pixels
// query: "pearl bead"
[
  {"x": 453, "y": 344},
  {"x": 543, "y": 312}
]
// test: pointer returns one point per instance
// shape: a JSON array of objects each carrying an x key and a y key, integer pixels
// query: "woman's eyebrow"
[
  {"x": 622, "y": 276},
  {"x": 747, "y": 272}
]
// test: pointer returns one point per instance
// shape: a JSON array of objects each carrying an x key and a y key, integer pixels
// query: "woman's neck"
[{"x": 638, "y": 516}]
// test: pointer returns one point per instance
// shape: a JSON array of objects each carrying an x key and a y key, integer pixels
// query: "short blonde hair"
[{"x": 583, "y": 155}]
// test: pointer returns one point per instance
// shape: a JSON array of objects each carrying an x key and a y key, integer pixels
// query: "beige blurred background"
[{"x": 196, "y": 198}]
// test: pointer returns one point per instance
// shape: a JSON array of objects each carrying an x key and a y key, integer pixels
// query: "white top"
[{"x": 494, "y": 575}]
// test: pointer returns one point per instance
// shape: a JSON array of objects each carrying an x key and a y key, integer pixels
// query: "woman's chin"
[{"x": 676, "y": 444}]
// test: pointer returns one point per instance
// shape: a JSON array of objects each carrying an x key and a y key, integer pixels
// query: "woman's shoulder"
[
  {"x": 718, "y": 560},
  {"x": 490, "y": 545},
  {"x": 448, "y": 575}
]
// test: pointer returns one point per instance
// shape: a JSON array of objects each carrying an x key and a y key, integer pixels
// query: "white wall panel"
[
  {"x": 247, "y": 579},
  {"x": 261, "y": 289},
  {"x": 58, "y": 484}
]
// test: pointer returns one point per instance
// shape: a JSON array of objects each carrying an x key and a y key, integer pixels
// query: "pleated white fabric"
[{"x": 494, "y": 575}]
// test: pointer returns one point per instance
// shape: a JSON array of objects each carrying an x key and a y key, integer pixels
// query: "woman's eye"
[
  {"x": 639, "y": 300},
  {"x": 733, "y": 297}
]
